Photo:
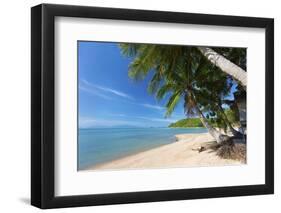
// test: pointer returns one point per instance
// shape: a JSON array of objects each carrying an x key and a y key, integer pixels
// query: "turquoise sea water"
[{"x": 100, "y": 145}]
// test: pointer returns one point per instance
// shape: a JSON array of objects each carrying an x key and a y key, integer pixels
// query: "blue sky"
[{"x": 109, "y": 98}]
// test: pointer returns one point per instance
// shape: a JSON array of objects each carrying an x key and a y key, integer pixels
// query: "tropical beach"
[
  {"x": 102, "y": 145},
  {"x": 185, "y": 152},
  {"x": 145, "y": 106}
]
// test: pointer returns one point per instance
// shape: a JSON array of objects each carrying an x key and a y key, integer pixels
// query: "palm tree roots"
[{"x": 230, "y": 150}]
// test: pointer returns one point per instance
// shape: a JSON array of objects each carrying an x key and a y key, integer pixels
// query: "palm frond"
[
  {"x": 189, "y": 104},
  {"x": 154, "y": 83},
  {"x": 164, "y": 90},
  {"x": 129, "y": 50},
  {"x": 173, "y": 101}
]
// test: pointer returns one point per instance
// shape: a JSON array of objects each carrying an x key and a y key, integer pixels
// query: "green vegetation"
[
  {"x": 191, "y": 76},
  {"x": 232, "y": 115},
  {"x": 187, "y": 122},
  {"x": 196, "y": 122}
]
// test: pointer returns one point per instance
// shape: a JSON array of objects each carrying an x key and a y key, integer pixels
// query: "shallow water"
[{"x": 100, "y": 145}]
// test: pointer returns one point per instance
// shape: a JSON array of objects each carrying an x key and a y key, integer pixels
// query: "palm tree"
[
  {"x": 226, "y": 120},
  {"x": 225, "y": 65},
  {"x": 214, "y": 57},
  {"x": 214, "y": 87},
  {"x": 173, "y": 75}
]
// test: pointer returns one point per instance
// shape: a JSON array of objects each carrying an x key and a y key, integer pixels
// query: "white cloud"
[
  {"x": 157, "y": 119},
  {"x": 116, "y": 115},
  {"x": 152, "y": 106},
  {"x": 135, "y": 121},
  {"x": 91, "y": 122},
  {"x": 115, "y": 92},
  {"x": 94, "y": 92},
  {"x": 106, "y": 93},
  {"x": 100, "y": 89}
]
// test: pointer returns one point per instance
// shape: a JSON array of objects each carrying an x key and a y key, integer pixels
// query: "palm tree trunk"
[
  {"x": 232, "y": 130},
  {"x": 225, "y": 65},
  {"x": 216, "y": 134}
]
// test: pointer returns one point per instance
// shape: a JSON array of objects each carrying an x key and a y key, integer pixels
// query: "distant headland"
[{"x": 187, "y": 123}]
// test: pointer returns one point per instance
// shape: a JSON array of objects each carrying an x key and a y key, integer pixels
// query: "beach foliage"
[
  {"x": 187, "y": 123},
  {"x": 185, "y": 73}
]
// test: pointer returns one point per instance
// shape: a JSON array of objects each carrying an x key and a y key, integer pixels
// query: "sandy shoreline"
[{"x": 181, "y": 153}]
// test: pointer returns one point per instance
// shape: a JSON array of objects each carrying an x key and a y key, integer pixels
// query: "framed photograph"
[{"x": 139, "y": 106}]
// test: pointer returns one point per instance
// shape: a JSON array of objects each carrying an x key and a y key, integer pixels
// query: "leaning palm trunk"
[
  {"x": 225, "y": 65},
  {"x": 232, "y": 130},
  {"x": 216, "y": 134},
  {"x": 220, "y": 138}
]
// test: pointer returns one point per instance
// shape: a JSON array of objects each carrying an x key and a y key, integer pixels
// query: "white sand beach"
[{"x": 182, "y": 153}]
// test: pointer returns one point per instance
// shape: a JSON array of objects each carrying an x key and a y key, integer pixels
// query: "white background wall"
[{"x": 15, "y": 105}]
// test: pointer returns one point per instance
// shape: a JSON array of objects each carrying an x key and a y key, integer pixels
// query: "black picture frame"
[{"x": 43, "y": 117}]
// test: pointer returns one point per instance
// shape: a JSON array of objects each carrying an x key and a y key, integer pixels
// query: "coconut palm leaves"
[
  {"x": 214, "y": 86},
  {"x": 181, "y": 73},
  {"x": 225, "y": 65}
]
